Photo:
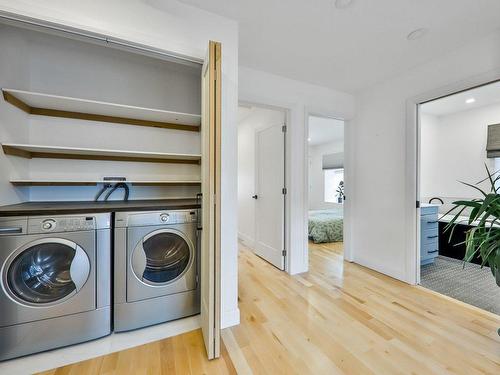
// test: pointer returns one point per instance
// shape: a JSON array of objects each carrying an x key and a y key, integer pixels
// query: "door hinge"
[
  {"x": 283, "y": 253},
  {"x": 283, "y": 128},
  {"x": 418, "y": 204},
  {"x": 284, "y": 191}
]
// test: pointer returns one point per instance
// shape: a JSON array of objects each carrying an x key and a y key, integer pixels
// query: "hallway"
[{"x": 343, "y": 318}]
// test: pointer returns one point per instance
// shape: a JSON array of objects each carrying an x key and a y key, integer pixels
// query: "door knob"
[{"x": 255, "y": 196}]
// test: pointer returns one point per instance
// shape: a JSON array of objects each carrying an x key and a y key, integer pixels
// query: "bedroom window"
[{"x": 334, "y": 185}]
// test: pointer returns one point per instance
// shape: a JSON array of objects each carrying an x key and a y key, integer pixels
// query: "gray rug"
[{"x": 471, "y": 285}]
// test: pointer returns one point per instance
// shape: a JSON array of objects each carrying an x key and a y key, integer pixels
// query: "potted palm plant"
[{"x": 483, "y": 217}]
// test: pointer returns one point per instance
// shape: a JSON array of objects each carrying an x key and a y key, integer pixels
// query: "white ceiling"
[
  {"x": 350, "y": 49},
  {"x": 484, "y": 96},
  {"x": 325, "y": 130}
]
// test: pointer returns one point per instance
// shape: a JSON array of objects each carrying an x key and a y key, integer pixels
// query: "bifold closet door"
[{"x": 211, "y": 178}]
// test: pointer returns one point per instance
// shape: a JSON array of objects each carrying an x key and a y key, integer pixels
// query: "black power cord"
[
  {"x": 122, "y": 185},
  {"x": 106, "y": 186}
]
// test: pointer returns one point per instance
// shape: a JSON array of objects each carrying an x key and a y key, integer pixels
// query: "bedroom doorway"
[
  {"x": 459, "y": 141},
  {"x": 326, "y": 186},
  {"x": 261, "y": 181}
]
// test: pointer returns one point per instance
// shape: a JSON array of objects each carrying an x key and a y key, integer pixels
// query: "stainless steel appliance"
[
  {"x": 156, "y": 267},
  {"x": 56, "y": 283}
]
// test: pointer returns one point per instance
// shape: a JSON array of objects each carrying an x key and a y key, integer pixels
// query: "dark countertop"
[{"x": 80, "y": 207}]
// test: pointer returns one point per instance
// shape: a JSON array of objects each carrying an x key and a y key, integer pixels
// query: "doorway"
[
  {"x": 261, "y": 181},
  {"x": 457, "y": 148},
  {"x": 326, "y": 185}
]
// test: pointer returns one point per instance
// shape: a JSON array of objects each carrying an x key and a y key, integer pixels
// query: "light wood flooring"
[
  {"x": 339, "y": 318},
  {"x": 183, "y": 355}
]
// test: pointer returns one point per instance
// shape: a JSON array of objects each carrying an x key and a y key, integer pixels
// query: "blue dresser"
[{"x": 429, "y": 233}]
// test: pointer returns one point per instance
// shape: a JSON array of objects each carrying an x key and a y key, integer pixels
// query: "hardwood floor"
[
  {"x": 339, "y": 318},
  {"x": 331, "y": 247},
  {"x": 183, "y": 354}
]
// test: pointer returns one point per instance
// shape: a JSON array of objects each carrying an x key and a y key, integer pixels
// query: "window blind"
[
  {"x": 333, "y": 161},
  {"x": 493, "y": 143}
]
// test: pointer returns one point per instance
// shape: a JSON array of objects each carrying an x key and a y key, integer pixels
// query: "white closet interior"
[{"x": 55, "y": 155}]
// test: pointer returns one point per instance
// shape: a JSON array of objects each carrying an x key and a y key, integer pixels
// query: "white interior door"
[
  {"x": 210, "y": 177},
  {"x": 269, "y": 195}
]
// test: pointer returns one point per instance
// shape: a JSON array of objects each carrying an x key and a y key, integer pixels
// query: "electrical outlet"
[{"x": 114, "y": 179}]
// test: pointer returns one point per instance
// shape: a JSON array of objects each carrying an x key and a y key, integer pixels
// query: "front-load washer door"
[
  {"x": 47, "y": 272},
  {"x": 162, "y": 262},
  {"x": 44, "y": 279}
]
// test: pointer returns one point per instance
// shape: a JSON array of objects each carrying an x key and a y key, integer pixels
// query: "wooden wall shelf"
[
  {"x": 55, "y": 182},
  {"x": 56, "y": 152},
  {"x": 92, "y": 110}
]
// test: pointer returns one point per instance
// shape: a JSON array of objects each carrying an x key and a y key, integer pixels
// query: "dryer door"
[
  {"x": 162, "y": 264},
  {"x": 46, "y": 272}
]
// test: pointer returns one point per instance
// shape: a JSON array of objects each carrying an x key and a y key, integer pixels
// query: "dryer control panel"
[
  {"x": 177, "y": 217},
  {"x": 60, "y": 224},
  {"x": 156, "y": 218}
]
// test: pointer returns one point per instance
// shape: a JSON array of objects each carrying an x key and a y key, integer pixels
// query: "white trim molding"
[
  {"x": 230, "y": 318},
  {"x": 246, "y": 240}
]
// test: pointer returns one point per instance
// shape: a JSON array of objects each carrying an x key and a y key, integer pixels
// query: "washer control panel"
[{"x": 60, "y": 224}]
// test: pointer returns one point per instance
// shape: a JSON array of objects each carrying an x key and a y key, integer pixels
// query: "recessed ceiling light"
[
  {"x": 342, "y": 4},
  {"x": 470, "y": 101},
  {"x": 308, "y": 139},
  {"x": 417, "y": 34}
]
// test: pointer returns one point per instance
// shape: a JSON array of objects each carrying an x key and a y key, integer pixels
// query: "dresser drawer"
[
  {"x": 429, "y": 236},
  {"x": 428, "y": 222},
  {"x": 429, "y": 251}
]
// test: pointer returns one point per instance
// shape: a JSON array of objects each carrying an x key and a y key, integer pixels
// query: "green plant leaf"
[
  {"x": 490, "y": 177},
  {"x": 474, "y": 187},
  {"x": 483, "y": 238}
]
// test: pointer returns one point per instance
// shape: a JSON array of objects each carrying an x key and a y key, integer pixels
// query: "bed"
[{"x": 326, "y": 225}]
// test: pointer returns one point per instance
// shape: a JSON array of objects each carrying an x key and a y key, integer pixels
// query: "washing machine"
[
  {"x": 55, "y": 282},
  {"x": 155, "y": 268}
]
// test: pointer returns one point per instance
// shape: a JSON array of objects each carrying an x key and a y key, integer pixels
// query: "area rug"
[{"x": 473, "y": 285}]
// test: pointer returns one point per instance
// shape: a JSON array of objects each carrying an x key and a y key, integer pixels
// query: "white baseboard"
[
  {"x": 115, "y": 342},
  {"x": 394, "y": 273},
  {"x": 247, "y": 240},
  {"x": 230, "y": 318}
]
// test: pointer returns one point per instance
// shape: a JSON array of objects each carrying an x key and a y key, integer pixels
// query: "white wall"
[
  {"x": 256, "y": 119},
  {"x": 316, "y": 174},
  {"x": 300, "y": 99},
  {"x": 378, "y": 193},
  {"x": 12, "y": 121},
  {"x": 453, "y": 149},
  {"x": 182, "y": 29}
]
